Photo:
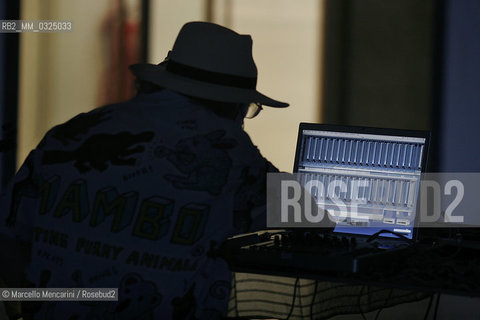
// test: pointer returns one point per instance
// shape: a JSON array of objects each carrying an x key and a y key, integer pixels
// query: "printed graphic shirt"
[{"x": 136, "y": 196}]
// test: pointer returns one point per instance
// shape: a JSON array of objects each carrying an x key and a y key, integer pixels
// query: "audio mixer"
[{"x": 308, "y": 251}]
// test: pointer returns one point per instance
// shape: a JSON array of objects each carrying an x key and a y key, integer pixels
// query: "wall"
[
  {"x": 166, "y": 19},
  {"x": 58, "y": 71},
  {"x": 287, "y": 39},
  {"x": 380, "y": 58},
  {"x": 460, "y": 97}
]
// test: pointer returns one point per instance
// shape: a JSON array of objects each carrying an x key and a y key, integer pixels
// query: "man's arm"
[{"x": 16, "y": 215}]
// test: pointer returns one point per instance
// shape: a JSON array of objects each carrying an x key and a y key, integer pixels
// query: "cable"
[
  {"x": 437, "y": 302},
  {"x": 363, "y": 315},
  {"x": 300, "y": 300},
  {"x": 294, "y": 296},
  {"x": 313, "y": 299},
  {"x": 360, "y": 305},
  {"x": 428, "y": 307},
  {"x": 384, "y": 305},
  {"x": 399, "y": 235},
  {"x": 234, "y": 285}
]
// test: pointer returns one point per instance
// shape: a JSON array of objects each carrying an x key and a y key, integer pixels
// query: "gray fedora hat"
[{"x": 211, "y": 62}]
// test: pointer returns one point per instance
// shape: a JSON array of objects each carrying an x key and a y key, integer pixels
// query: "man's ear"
[
  {"x": 244, "y": 108},
  {"x": 242, "y": 112}
]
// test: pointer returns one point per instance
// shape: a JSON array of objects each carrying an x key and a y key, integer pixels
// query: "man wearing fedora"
[{"x": 137, "y": 195}]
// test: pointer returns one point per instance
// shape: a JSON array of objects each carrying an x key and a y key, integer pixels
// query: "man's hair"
[
  {"x": 146, "y": 86},
  {"x": 222, "y": 109}
]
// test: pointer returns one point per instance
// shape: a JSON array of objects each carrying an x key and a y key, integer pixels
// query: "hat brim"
[{"x": 157, "y": 74}]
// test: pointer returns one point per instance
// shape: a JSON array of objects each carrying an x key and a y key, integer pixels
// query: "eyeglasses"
[{"x": 253, "y": 110}]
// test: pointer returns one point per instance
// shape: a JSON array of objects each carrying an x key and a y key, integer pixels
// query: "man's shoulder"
[
  {"x": 78, "y": 126},
  {"x": 83, "y": 124}
]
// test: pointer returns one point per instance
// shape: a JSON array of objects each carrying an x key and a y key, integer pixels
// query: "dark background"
[{"x": 408, "y": 64}]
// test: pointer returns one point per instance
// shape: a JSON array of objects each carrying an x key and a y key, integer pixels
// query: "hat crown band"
[
  {"x": 214, "y": 48},
  {"x": 213, "y": 77},
  {"x": 211, "y": 62}
]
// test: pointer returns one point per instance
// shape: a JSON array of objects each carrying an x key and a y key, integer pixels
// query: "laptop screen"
[{"x": 367, "y": 178}]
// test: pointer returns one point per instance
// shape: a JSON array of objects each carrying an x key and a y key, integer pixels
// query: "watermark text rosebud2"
[
  {"x": 311, "y": 200},
  {"x": 59, "y": 294},
  {"x": 432, "y": 197},
  {"x": 315, "y": 214}
]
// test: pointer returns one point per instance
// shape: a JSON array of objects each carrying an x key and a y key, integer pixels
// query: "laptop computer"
[
  {"x": 371, "y": 172},
  {"x": 386, "y": 166}
]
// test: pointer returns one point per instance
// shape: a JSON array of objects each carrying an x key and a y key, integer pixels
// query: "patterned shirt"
[{"x": 137, "y": 196}]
